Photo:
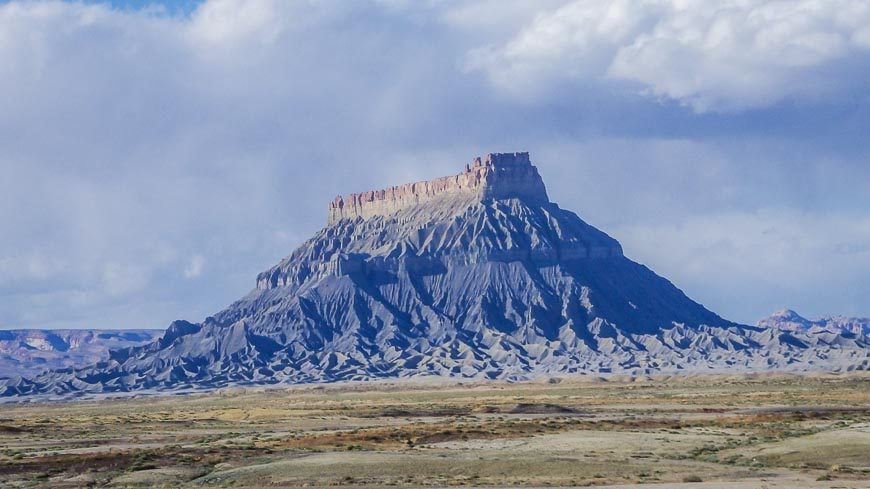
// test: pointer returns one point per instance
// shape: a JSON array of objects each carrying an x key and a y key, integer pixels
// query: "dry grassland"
[{"x": 775, "y": 431}]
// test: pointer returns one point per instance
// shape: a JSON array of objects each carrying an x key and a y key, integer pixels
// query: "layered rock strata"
[{"x": 495, "y": 176}]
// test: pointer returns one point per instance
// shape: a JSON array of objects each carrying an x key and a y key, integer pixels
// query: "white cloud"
[
  {"x": 725, "y": 55},
  {"x": 194, "y": 267},
  {"x": 224, "y": 21},
  {"x": 239, "y": 23}
]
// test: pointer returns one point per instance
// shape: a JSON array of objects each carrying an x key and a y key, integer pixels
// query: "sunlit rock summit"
[{"x": 475, "y": 275}]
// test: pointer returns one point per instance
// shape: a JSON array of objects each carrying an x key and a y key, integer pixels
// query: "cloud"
[
  {"x": 194, "y": 268},
  {"x": 728, "y": 55},
  {"x": 122, "y": 279},
  {"x": 134, "y": 141},
  {"x": 810, "y": 258}
]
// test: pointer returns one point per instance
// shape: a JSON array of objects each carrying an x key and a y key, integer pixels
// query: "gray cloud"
[
  {"x": 153, "y": 163},
  {"x": 726, "y": 55}
]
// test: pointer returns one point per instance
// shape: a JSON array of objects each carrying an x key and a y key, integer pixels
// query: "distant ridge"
[
  {"x": 788, "y": 320},
  {"x": 28, "y": 352},
  {"x": 476, "y": 275}
]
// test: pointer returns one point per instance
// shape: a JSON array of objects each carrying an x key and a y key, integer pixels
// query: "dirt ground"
[{"x": 744, "y": 431}]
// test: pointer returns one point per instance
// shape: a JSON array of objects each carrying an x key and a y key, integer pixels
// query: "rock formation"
[
  {"x": 26, "y": 352},
  {"x": 476, "y": 275},
  {"x": 496, "y": 176}
]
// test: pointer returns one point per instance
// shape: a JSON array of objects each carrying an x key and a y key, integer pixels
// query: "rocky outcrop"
[
  {"x": 495, "y": 176},
  {"x": 478, "y": 276}
]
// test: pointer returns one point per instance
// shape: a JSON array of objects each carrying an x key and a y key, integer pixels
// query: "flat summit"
[
  {"x": 475, "y": 275},
  {"x": 496, "y": 176}
]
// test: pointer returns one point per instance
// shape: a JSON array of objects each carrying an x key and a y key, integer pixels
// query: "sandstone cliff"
[{"x": 496, "y": 176}]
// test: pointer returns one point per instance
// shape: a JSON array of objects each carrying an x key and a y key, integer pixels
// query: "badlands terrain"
[
  {"x": 477, "y": 275},
  {"x": 744, "y": 431}
]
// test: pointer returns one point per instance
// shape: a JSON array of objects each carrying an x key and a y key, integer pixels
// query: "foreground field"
[{"x": 710, "y": 431}]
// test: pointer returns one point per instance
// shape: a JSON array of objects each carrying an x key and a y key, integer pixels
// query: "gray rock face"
[
  {"x": 788, "y": 320},
  {"x": 477, "y": 275},
  {"x": 28, "y": 352}
]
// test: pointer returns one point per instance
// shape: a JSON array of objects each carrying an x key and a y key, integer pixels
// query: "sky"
[{"x": 157, "y": 156}]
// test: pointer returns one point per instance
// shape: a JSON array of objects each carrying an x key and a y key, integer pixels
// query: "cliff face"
[
  {"x": 477, "y": 275},
  {"x": 496, "y": 176}
]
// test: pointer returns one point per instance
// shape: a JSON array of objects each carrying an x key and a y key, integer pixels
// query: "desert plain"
[{"x": 711, "y": 431}]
